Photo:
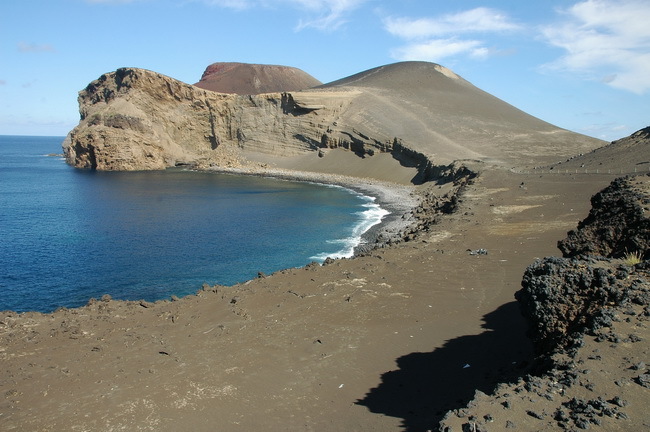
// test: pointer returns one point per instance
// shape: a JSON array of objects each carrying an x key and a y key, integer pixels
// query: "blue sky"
[{"x": 583, "y": 65}]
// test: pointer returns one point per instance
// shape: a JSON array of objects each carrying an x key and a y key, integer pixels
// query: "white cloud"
[
  {"x": 472, "y": 21},
  {"x": 605, "y": 40},
  {"x": 330, "y": 14},
  {"x": 435, "y": 38},
  {"x": 322, "y": 14},
  {"x": 231, "y": 4},
  {"x": 436, "y": 49}
]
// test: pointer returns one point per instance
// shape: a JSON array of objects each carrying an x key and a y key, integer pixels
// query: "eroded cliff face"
[
  {"x": 134, "y": 119},
  {"x": 423, "y": 115}
]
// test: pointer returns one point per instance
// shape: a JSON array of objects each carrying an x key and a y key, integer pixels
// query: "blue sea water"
[{"x": 68, "y": 235}]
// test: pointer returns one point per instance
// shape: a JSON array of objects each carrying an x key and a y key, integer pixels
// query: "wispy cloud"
[
  {"x": 34, "y": 48},
  {"x": 477, "y": 20},
  {"x": 435, "y": 49},
  {"x": 435, "y": 38},
  {"x": 325, "y": 15},
  {"x": 605, "y": 40},
  {"x": 231, "y": 4},
  {"x": 329, "y": 14}
]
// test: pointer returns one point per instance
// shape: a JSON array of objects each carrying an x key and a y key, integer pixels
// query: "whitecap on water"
[{"x": 371, "y": 216}]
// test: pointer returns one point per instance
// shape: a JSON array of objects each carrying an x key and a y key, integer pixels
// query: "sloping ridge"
[
  {"x": 413, "y": 116},
  {"x": 250, "y": 79},
  {"x": 401, "y": 75},
  {"x": 439, "y": 113},
  {"x": 625, "y": 155}
]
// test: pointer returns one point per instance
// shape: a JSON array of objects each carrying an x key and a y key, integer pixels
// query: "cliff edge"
[{"x": 418, "y": 117}]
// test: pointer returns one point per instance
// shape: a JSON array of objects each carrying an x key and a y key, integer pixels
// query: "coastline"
[
  {"x": 316, "y": 348},
  {"x": 399, "y": 200}
]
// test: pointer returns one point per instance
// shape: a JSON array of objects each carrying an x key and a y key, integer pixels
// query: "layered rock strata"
[
  {"x": 134, "y": 119},
  {"x": 423, "y": 115}
]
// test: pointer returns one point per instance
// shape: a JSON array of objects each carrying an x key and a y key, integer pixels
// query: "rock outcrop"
[
  {"x": 586, "y": 311},
  {"x": 617, "y": 224},
  {"x": 422, "y": 114},
  {"x": 134, "y": 119},
  {"x": 564, "y": 297},
  {"x": 251, "y": 79}
]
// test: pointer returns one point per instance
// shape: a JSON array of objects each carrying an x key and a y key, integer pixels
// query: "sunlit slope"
[{"x": 437, "y": 112}]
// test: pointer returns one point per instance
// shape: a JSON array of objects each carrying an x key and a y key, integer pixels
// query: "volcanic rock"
[
  {"x": 417, "y": 118},
  {"x": 574, "y": 307}
]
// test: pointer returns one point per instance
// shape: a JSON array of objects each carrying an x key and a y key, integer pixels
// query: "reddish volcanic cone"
[{"x": 243, "y": 78}]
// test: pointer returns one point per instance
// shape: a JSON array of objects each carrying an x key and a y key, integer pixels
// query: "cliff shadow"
[{"x": 427, "y": 385}]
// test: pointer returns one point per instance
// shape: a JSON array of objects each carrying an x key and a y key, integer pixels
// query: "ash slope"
[
  {"x": 250, "y": 79},
  {"x": 628, "y": 154},
  {"x": 588, "y": 319},
  {"x": 413, "y": 117}
]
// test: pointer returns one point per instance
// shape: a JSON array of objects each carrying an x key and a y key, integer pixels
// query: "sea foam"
[{"x": 371, "y": 216}]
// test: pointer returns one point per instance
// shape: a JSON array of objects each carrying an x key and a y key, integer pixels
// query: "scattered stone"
[
  {"x": 535, "y": 414},
  {"x": 638, "y": 366},
  {"x": 643, "y": 380},
  {"x": 618, "y": 401}
]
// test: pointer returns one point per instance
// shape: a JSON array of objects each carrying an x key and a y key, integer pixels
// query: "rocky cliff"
[
  {"x": 421, "y": 114},
  {"x": 134, "y": 119}
]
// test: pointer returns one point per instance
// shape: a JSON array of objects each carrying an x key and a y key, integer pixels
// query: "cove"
[{"x": 71, "y": 235}]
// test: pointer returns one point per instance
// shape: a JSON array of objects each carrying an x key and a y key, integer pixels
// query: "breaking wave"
[{"x": 372, "y": 215}]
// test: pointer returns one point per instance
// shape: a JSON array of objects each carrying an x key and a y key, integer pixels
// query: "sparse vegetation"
[{"x": 633, "y": 258}]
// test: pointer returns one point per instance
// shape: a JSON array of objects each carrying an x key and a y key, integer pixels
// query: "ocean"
[{"x": 68, "y": 235}]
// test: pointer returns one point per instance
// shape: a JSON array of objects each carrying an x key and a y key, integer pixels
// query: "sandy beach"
[{"x": 400, "y": 200}]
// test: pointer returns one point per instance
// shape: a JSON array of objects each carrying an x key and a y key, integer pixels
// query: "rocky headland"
[
  {"x": 415, "y": 117},
  {"x": 420, "y": 331}
]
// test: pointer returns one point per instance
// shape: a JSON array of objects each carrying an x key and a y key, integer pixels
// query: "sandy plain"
[{"x": 386, "y": 341}]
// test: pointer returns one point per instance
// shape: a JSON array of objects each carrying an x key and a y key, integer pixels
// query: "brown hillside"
[
  {"x": 625, "y": 155},
  {"x": 388, "y": 341},
  {"x": 401, "y": 122},
  {"x": 243, "y": 78},
  {"x": 441, "y": 114}
]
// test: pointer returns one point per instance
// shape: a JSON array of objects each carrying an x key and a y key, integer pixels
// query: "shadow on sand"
[{"x": 427, "y": 385}]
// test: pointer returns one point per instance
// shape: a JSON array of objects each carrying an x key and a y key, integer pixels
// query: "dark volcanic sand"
[{"x": 379, "y": 342}]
